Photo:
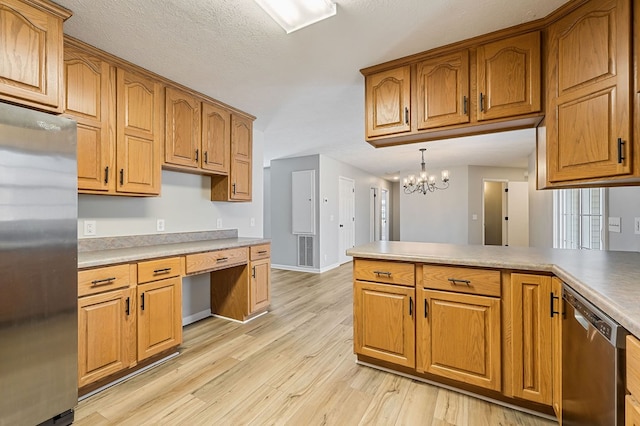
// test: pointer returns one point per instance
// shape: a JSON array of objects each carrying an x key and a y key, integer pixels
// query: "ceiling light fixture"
[
  {"x": 423, "y": 182},
  {"x": 295, "y": 14}
]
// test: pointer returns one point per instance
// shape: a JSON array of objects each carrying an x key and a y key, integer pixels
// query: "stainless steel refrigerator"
[{"x": 38, "y": 268}]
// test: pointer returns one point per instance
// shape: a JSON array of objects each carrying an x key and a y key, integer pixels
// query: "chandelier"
[{"x": 423, "y": 183}]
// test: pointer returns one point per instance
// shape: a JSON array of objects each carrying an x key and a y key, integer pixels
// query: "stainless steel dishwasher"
[{"x": 593, "y": 364}]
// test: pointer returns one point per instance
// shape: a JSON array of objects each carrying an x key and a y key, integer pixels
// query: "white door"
[
  {"x": 384, "y": 215},
  {"x": 518, "y": 214},
  {"x": 346, "y": 213},
  {"x": 374, "y": 215}
]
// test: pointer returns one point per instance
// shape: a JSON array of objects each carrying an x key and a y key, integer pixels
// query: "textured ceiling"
[{"x": 305, "y": 87}]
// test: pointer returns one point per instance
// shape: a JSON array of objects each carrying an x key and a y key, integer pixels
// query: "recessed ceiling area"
[{"x": 305, "y": 88}]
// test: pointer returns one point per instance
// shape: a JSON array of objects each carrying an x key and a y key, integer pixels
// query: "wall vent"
[{"x": 305, "y": 250}]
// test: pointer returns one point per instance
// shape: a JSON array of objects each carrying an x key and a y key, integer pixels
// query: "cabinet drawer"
[
  {"x": 383, "y": 271},
  {"x": 92, "y": 281},
  {"x": 220, "y": 259},
  {"x": 633, "y": 366},
  {"x": 160, "y": 269},
  {"x": 462, "y": 280},
  {"x": 263, "y": 251}
]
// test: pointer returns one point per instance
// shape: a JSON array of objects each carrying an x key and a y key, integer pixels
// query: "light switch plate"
[
  {"x": 636, "y": 225},
  {"x": 90, "y": 227},
  {"x": 614, "y": 224}
]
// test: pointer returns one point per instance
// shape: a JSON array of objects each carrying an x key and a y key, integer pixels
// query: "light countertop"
[
  {"x": 110, "y": 256},
  {"x": 610, "y": 280}
]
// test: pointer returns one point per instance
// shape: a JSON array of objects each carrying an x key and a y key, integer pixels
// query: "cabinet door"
[
  {"x": 216, "y": 138},
  {"x": 241, "y": 140},
  {"x": 631, "y": 411},
  {"x": 531, "y": 337},
  {"x": 443, "y": 91},
  {"x": 159, "y": 316},
  {"x": 182, "y": 129},
  {"x": 383, "y": 321},
  {"x": 557, "y": 312},
  {"x": 260, "y": 291},
  {"x": 31, "y": 54},
  {"x": 106, "y": 334},
  {"x": 90, "y": 100},
  {"x": 388, "y": 102},
  {"x": 588, "y": 122},
  {"x": 139, "y": 133},
  {"x": 458, "y": 337},
  {"x": 508, "y": 73}
]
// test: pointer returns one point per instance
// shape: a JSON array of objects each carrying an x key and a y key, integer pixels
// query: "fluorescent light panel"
[{"x": 295, "y": 14}]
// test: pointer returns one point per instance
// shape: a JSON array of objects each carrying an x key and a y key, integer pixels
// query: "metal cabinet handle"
[
  {"x": 103, "y": 281},
  {"x": 106, "y": 175},
  {"x": 551, "y": 298},
  {"x": 456, "y": 281},
  {"x": 410, "y": 306},
  {"x": 378, "y": 273},
  {"x": 464, "y": 105},
  {"x": 121, "y": 177},
  {"x": 406, "y": 115},
  {"x": 222, "y": 259},
  {"x": 620, "y": 151},
  {"x": 161, "y": 271},
  {"x": 426, "y": 308},
  {"x": 262, "y": 251},
  {"x": 197, "y": 152},
  {"x": 142, "y": 301},
  {"x": 253, "y": 272},
  {"x": 206, "y": 157},
  {"x": 482, "y": 101},
  {"x": 127, "y": 308},
  {"x": 234, "y": 188}
]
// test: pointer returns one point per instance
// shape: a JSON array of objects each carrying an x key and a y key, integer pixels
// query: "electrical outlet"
[
  {"x": 253, "y": 221},
  {"x": 636, "y": 225},
  {"x": 614, "y": 224},
  {"x": 219, "y": 223},
  {"x": 90, "y": 227},
  {"x": 160, "y": 225}
]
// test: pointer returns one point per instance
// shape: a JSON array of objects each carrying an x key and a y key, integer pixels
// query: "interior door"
[{"x": 518, "y": 214}]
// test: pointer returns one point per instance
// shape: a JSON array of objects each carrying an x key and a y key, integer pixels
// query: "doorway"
[
  {"x": 374, "y": 215},
  {"x": 346, "y": 217},
  {"x": 384, "y": 214},
  {"x": 505, "y": 208}
]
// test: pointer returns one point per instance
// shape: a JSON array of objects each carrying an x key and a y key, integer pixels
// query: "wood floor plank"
[{"x": 295, "y": 366}]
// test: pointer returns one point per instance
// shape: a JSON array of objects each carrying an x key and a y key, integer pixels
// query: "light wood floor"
[{"x": 294, "y": 366}]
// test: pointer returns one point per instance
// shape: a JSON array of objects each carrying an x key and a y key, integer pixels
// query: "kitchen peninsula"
[{"x": 483, "y": 319}]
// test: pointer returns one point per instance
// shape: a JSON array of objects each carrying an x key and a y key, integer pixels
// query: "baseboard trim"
[
  {"x": 458, "y": 390},
  {"x": 302, "y": 269},
  {"x": 196, "y": 317}
]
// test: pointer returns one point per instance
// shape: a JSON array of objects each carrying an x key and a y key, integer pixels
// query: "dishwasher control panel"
[{"x": 605, "y": 325}]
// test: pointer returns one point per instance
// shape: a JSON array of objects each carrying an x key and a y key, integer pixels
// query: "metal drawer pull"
[
  {"x": 551, "y": 297},
  {"x": 128, "y": 307},
  {"x": 103, "y": 281},
  {"x": 456, "y": 281},
  {"x": 161, "y": 271},
  {"x": 253, "y": 272},
  {"x": 620, "y": 151},
  {"x": 410, "y": 306},
  {"x": 142, "y": 301},
  {"x": 378, "y": 273},
  {"x": 262, "y": 251},
  {"x": 222, "y": 259}
]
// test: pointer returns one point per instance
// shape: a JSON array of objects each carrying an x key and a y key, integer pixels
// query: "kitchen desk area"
[
  {"x": 488, "y": 320},
  {"x": 130, "y": 295}
]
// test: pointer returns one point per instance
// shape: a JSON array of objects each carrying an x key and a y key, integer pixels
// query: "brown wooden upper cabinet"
[
  {"x": 237, "y": 185},
  {"x": 589, "y": 133},
  {"x": 448, "y": 94},
  {"x": 388, "y": 101},
  {"x": 443, "y": 91},
  {"x": 118, "y": 148},
  {"x": 31, "y": 43},
  {"x": 198, "y": 134},
  {"x": 508, "y": 77}
]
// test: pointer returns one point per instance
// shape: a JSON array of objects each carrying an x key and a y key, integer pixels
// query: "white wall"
[
  {"x": 624, "y": 203},
  {"x": 540, "y": 211},
  {"x": 185, "y": 206},
  {"x": 437, "y": 217},
  {"x": 477, "y": 174},
  {"x": 330, "y": 172}
]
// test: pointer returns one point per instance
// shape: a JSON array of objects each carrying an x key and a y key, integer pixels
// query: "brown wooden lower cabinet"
[
  {"x": 159, "y": 316},
  {"x": 458, "y": 337},
  {"x": 260, "y": 285},
  {"x": 106, "y": 334},
  {"x": 383, "y": 319}
]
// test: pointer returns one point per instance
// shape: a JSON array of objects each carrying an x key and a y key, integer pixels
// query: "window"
[{"x": 579, "y": 218}]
